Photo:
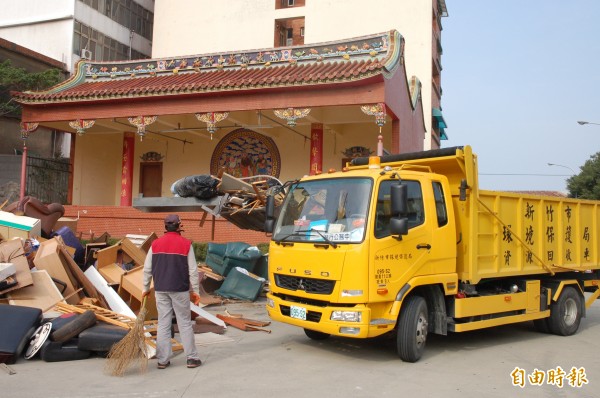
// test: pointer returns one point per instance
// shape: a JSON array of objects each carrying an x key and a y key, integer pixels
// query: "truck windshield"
[{"x": 333, "y": 210}]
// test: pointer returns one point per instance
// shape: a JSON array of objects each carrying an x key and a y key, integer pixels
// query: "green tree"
[
  {"x": 18, "y": 79},
  {"x": 586, "y": 184}
]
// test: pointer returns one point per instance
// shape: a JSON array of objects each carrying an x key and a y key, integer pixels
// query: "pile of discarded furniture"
[{"x": 60, "y": 300}]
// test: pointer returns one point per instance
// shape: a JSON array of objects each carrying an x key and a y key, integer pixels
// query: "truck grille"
[
  {"x": 311, "y": 316},
  {"x": 309, "y": 285}
]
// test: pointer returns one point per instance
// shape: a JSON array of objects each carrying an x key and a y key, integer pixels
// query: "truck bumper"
[{"x": 319, "y": 318}]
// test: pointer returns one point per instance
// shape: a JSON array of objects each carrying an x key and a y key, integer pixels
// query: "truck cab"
[{"x": 338, "y": 265}]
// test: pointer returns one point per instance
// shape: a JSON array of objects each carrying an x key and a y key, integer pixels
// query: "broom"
[{"x": 131, "y": 349}]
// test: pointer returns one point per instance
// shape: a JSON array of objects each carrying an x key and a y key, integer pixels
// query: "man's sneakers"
[
  {"x": 163, "y": 365},
  {"x": 193, "y": 362}
]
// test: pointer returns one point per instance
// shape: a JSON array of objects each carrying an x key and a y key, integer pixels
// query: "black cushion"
[
  {"x": 101, "y": 337},
  {"x": 17, "y": 325}
]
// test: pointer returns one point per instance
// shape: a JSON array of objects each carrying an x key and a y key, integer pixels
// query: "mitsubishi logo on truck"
[{"x": 301, "y": 285}]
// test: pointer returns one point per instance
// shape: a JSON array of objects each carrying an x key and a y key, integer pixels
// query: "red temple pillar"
[
  {"x": 127, "y": 169},
  {"x": 316, "y": 148}
]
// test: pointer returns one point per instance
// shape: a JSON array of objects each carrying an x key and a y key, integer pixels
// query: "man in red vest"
[{"x": 172, "y": 264}]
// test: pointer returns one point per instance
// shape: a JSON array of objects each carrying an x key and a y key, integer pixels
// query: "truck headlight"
[
  {"x": 346, "y": 316},
  {"x": 270, "y": 303},
  {"x": 352, "y": 293}
]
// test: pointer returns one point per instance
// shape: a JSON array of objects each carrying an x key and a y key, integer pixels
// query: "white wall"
[
  {"x": 92, "y": 174},
  {"x": 42, "y": 26},
  {"x": 190, "y": 27},
  {"x": 46, "y": 26}
]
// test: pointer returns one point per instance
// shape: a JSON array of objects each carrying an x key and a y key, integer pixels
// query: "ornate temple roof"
[{"x": 346, "y": 61}]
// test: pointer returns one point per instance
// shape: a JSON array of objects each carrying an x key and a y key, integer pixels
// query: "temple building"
[{"x": 286, "y": 112}]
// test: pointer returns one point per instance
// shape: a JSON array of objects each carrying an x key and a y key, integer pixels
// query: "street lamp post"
[
  {"x": 561, "y": 165},
  {"x": 582, "y": 122},
  {"x": 566, "y": 167}
]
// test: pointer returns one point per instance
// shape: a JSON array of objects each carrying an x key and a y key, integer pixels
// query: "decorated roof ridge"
[
  {"x": 387, "y": 47},
  {"x": 329, "y": 62},
  {"x": 210, "y": 81},
  {"x": 414, "y": 87}
]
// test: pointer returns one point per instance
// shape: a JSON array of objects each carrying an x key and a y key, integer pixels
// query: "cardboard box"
[
  {"x": 12, "y": 252},
  {"x": 43, "y": 294},
  {"x": 13, "y": 226},
  {"x": 48, "y": 257}
]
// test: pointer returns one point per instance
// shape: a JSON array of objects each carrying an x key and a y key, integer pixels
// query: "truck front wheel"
[
  {"x": 565, "y": 313},
  {"x": 412, "y": 329}
]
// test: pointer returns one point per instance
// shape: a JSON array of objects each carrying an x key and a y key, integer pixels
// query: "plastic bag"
[{"x": 201, "y": 186}]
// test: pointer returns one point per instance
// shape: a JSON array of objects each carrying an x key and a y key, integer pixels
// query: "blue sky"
[{"x": 517, "y": 76}]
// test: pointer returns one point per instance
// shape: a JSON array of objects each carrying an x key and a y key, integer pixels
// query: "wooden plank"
[
  {"x": 241, "y": 324},
  {"x": 210, "y": 273},
  {"x": 102, "y": 314},
  {"x": 148, "y": 242}
]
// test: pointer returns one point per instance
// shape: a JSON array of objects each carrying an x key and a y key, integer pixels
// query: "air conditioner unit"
[{"x": 86, "y": 54}]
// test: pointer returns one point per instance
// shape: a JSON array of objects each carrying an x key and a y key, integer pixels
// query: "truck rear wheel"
[
  {"x": 314, "y": 335},
  {"x": 412, "y": 329},
  {"x": 565, "y": 313}
]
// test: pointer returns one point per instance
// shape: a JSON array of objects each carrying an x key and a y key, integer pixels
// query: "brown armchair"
[{"x": 33, "y": 207}]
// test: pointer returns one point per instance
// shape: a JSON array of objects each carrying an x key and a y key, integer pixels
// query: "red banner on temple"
[
  {"x": 316, "y": 148},
  {"x": 127, "y": 169}
]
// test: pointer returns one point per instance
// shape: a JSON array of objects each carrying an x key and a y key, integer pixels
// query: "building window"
[
  {"x": 289, "y": 3},
  {"x": 440, "y": 204},
  {"x": 289, "y": 32},
  {"x": 127, "y": 13},
  {"x": 100, "y": 46}
]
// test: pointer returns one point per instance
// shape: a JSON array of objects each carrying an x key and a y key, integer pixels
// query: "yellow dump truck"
[{"x": 409, "y": 244}]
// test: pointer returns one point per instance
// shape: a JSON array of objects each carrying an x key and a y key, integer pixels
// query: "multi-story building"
[
  {"x": 68, "y": 30},
  {"x": 186, "y": 27},
  {"x": 57, "y": 34}
]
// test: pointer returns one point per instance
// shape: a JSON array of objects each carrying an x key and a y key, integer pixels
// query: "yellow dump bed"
[{"x": 506, "y": 234}]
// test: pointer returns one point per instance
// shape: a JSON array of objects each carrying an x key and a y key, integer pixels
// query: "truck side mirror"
[
  {"x": 270, "y": 214},
  {"x": 399, "y": 203},
  {"x": 399, "y": 226},
  {"x": 399, "y": 199}
]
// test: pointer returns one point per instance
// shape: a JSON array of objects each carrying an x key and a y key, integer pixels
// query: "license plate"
[{"x": 298, "y": 312}]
